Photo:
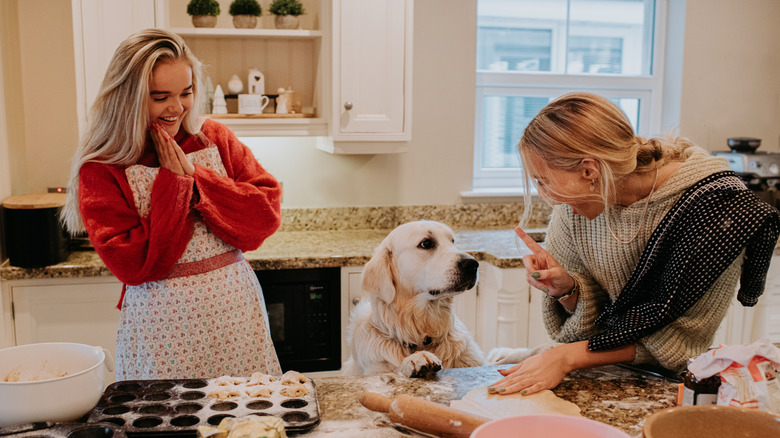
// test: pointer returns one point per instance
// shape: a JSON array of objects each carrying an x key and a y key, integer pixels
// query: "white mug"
[{"x": 252, "y": 103}]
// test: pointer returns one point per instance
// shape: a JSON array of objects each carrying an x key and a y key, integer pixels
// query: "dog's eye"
[{"x": 427, "y": 244}]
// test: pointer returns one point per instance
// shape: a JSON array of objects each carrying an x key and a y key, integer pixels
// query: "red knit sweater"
[{"x": 242, "y": 210}]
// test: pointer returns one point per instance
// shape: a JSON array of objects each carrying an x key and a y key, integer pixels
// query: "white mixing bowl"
[{"x": 53, "y": 381}]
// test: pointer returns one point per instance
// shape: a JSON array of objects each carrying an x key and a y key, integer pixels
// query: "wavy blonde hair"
[
  {"x": 117, "y": 127},
  {"x": 578, "y": 126}
]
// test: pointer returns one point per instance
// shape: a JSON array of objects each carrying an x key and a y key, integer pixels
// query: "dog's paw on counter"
[{"x": 422, "y": 364}]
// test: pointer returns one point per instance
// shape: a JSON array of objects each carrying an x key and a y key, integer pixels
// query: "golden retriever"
[{"x": 407, "y": 324}]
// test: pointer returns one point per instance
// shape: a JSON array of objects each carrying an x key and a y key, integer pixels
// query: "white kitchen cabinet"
[
  {"x": 98, "y": 28},
  {"x": 505, "y": 315},
  {"x": 287, "y": 58},
  {"x": 80, "y": 310},
  {"x": 766, "y": 316},
  {"x": 371, "y": 74}
]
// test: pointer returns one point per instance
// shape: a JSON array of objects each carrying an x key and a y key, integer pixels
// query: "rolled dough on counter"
[{"x": 480, "y": 402}]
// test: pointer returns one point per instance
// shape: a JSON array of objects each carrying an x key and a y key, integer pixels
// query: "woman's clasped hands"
[{"x": 169, "y": 153}]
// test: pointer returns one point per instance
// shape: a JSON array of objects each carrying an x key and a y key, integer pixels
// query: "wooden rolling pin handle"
[
  {"x": 375, "y": 402},
  {"x": 423, "y": 415}
]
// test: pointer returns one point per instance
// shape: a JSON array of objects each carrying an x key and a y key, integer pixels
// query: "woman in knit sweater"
[
  {"x": 645, "y": 246},
  {"x": 169, "y": 202}
]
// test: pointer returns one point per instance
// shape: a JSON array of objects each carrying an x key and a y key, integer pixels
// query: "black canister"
[
  {"x": 700, "y": 391},
  {"x": 33, "y": 234}
]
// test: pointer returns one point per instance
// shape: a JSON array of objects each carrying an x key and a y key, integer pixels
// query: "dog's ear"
[{"x": 379, "y": 275}]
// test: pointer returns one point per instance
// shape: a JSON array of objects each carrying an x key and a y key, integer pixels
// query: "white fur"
[{"x": 410, "y": 291}]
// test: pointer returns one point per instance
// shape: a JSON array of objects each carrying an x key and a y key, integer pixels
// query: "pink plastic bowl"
[{"x": 547, "y": 425}]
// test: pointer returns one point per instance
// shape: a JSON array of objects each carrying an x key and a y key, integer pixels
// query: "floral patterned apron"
[{"x": 208, "y": 318}]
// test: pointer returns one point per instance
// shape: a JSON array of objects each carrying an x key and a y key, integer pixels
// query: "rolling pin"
[{"x": 423, "y": 415}]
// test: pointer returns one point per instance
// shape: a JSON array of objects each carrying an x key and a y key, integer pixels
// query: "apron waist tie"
[
  {"x": 198, "y": 267},
  {"x": 206, "y": 265}
]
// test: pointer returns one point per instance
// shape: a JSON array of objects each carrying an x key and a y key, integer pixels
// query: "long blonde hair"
[
  {"x": 578, "y": 126},
  {"x": 117, "y": 128}
]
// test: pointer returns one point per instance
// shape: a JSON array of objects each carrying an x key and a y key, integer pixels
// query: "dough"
[
  {"x": 260, "y": 379},
  {"x": 293, "y": 378},
  {"x": 224, "y": 394},
  {"x": 296, "y": 390},
  {"x": 227, "y": 381},
  {"x": 258, "y": 391},
  {"x": 250, "y": 426},
  {"x": 480, "y": 402}
]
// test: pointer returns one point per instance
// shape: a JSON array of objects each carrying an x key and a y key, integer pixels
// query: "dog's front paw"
[{"x": 420, "y": 364}]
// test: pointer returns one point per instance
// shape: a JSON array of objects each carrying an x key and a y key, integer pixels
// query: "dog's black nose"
[{"x": 468, "y": 266}]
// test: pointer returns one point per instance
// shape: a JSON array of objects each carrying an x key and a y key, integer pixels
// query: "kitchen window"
[{"x": 532, "y": 51}]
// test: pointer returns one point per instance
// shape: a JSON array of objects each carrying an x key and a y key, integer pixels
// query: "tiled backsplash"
[{"x": 458, "y": 216}]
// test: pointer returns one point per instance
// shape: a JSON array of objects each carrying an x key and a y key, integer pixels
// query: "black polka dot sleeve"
[{"x": 709, "y": 226}]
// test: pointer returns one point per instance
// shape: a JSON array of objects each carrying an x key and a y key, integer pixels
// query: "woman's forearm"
[{"x": 578, "y": 356}]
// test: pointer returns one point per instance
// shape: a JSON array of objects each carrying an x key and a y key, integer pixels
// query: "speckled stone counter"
[
  {"x": 304, "y": 249},
  {"x": 611, "y": 395}
]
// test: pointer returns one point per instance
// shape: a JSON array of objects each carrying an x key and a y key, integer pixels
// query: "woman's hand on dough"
[
  {"x": 539, "y": 372},
  {"x": 542, "y": 269}
]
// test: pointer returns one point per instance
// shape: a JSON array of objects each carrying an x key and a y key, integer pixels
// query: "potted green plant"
[
  {"x": 287, "y": 12},
  {"x": 245, "y": 13},
  {"x": 204, "y": 12}
]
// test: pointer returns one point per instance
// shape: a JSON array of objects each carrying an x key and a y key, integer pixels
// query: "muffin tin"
[
  {"x": 178, "y": 406},
  {"x": 64, "y": 430}
]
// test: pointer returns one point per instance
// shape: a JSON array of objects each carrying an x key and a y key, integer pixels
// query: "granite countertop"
[
  {"x": 618, "y": 397},
  {"x": 305, "y": 249}
]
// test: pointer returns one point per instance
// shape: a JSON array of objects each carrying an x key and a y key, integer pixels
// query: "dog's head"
[{"x": 419, "y": 257}]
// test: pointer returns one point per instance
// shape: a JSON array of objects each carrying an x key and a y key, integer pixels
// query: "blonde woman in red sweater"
[{"x": 169, "y": 202}]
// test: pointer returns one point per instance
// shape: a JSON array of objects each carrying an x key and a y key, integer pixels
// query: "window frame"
[{"x": 648, "y": 88}]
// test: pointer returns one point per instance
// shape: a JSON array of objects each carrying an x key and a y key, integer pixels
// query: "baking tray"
[
  {"x": 64, "y": 430},
  {"x": 179, "y": 406}
]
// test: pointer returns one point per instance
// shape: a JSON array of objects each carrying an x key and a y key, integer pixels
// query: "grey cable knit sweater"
[{"x": 602, "y": 266}]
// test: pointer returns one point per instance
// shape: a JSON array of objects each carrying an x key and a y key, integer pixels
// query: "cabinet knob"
[
  {"x": 355, "y": 301},
  {"x": 348, "y": 105}
]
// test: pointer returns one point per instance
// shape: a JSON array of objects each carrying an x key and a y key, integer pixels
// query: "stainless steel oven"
[
  {"x": 304, "y": 315},
  {"x": 760, "y": 171}
]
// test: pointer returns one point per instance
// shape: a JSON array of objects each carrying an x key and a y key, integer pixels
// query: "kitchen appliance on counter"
[
  {"x": 305, "y": 317},
  {"x": 33, "y": 234},
  {"x": 760, "y": 171}
]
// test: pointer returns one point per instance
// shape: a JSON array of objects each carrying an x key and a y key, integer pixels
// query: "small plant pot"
[
  {"x": 244, "y": 21},
  {"x": 204, "y": 20},
  {"x": 286, "y": 21}
]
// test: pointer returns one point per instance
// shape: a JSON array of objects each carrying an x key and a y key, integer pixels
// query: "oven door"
[{"x": 304, "y": 316}]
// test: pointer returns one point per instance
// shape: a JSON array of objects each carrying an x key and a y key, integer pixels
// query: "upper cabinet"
[
  {"x": 372, "y": 70},
  {"x": 348, "y": 65}
]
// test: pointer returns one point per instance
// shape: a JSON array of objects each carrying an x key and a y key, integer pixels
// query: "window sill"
[{"x": 492, "y": 195}]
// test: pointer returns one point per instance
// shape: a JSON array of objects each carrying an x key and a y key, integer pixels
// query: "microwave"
[{"x": 304, "y": 316}]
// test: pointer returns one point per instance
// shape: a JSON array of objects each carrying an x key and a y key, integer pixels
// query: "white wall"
[
  {"x": 438, "y": 165},
  {"x": 731, "y": 72},
  {"x": 730, "y": 87}
]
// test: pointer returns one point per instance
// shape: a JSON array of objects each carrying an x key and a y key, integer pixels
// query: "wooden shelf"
[
  {"x": 261, "y": 116},
  {"x": 220, "y": 32}
]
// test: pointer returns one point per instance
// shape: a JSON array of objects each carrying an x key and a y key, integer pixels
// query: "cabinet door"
[
  {"x": 372, "y": 70},
  {"x": 503, "y": 308},
  {"x": 98, "y": 28},
  {"x": 81, "y": 311}
]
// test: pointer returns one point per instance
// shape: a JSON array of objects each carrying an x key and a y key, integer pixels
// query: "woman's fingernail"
[
  {"x": 522, "y": 392},
  {"x": 544, "y": 289},
  {"x": 536, "y": 275},
  {"x": 502, "y": 390},
  {"x": 491, "y": 388}
]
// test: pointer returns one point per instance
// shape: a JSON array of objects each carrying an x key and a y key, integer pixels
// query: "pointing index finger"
[{"x": 529, "y": 241}]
